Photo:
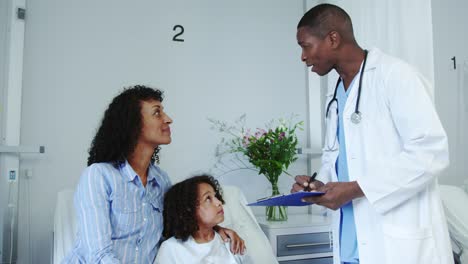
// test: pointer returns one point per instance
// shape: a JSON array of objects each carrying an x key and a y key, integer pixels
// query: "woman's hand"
[{"x": 237, "y": 243}]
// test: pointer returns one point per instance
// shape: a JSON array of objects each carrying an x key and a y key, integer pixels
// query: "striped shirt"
[{"x": 119, "y": 219}]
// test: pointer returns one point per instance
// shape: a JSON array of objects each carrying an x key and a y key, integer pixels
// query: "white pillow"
[
  {"x": 455, "y": 200},
  {"x": 465, "y": 185},
  {"x": 240, "y": 218},
  {"x": 65, "y": 225}
]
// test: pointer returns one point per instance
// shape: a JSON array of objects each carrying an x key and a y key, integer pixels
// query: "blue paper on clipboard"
[{"x": 292, "y": 199}]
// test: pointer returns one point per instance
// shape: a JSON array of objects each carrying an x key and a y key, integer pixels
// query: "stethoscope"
[{"x": 356, "y": 116}]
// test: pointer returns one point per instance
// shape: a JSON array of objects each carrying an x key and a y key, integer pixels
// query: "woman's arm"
[{"x": 92, "y": 205}]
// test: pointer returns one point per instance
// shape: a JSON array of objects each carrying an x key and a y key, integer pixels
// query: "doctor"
[{"x": 384, "y": 148}]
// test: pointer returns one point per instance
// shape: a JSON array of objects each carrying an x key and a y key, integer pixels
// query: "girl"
[{"x": 192, "y": 210}]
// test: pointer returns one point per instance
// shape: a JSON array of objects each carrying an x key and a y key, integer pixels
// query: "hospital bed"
[
  {"x": 237, "y": 216},
  {"x": 455, "y": 201}
]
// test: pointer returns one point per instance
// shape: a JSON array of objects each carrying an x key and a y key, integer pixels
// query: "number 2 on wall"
[{"x": 177, "y": 36}]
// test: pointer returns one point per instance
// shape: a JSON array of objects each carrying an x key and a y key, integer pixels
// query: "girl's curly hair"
[
  {"x": 120, "y": 127},
  {"x": 180, "y": 206}
]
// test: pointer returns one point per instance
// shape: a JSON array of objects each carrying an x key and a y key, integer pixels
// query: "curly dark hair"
[
  {"x": 180, "y": 206},
  {"x": 120, "y": 127}
]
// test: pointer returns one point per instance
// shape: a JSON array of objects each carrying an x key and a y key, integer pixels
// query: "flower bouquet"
[{"x": 270, "y": 150}]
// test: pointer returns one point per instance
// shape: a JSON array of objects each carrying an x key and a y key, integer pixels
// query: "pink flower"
[
  {"x": 245, "y": 141},
  {"x": 281, "y": 136},
  {"x": 260, "y": 132}
]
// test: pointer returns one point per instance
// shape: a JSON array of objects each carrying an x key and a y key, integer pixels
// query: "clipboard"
[{"x": 292, "y": 199}]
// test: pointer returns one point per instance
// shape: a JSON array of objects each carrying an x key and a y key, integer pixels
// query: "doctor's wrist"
[{"x": 356, "y": 190}]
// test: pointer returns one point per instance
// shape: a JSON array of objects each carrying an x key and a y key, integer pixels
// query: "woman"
[
  {"x": 192, "y": 210},
  {"x": 119, "y": 198}
]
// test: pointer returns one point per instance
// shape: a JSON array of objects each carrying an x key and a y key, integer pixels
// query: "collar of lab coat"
[{"x": 373, "y": 58}]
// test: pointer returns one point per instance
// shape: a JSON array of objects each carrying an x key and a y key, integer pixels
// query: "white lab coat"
[{"x": 395, "y": 154}]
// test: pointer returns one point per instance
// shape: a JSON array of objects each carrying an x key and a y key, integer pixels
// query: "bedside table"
[{"x": 304, "y": 238}]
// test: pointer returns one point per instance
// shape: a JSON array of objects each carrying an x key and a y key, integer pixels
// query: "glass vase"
[{"x": 276, "y": 213}]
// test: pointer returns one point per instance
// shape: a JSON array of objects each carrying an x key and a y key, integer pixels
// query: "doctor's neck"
[{"x": 349, "y": 62}]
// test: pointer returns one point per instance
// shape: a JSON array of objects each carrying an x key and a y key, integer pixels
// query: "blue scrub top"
[{"x": 348, "y": 241}]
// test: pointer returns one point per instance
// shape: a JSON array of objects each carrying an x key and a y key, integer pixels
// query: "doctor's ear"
[{"x": 334, "y": 38}]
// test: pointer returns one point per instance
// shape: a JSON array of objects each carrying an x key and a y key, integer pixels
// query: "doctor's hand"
[
  {"x": 303, "y": 181},
  {"x": 336, "y": 194},
  {"x": 237, "y": 243}
]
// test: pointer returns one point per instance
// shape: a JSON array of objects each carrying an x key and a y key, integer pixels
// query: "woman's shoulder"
[
  {"x": 99, "y": 172},
  {"x": 102, "y": 166},
  {"x": 99, "y": 169}
]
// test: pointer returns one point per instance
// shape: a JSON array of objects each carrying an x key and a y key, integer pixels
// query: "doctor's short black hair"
[
  {"x": 324, "y": 18},
  {"x": 180, "y": 206}
]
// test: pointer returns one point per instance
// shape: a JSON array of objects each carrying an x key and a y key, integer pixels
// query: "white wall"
[
  {"x": 451, "y": 39},
  {"x": 238, "y": 57},
  {"x": 4, "y": 7},
  {"x": 10, "y": 99}
]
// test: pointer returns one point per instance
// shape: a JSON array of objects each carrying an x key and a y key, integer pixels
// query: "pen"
[{"x": 311, "y": 179}]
